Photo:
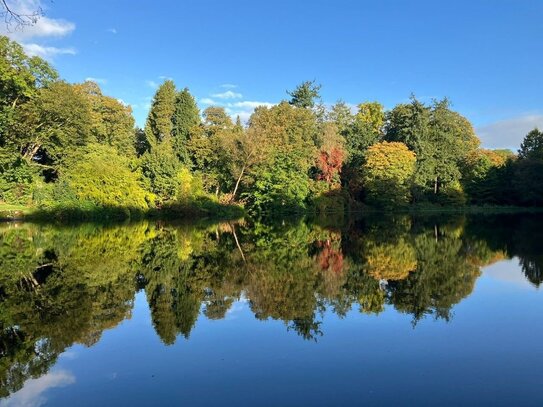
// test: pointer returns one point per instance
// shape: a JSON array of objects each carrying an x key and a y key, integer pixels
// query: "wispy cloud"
[
  {"x": 101, "y": 81},
  {"x": 508, "y": 133},
  {"x": 112, "y": 30},
  {"x": 165, "y": 78},
  {"x": 207, "y": 101},
  {"x": 228, "y": 95},
  {"x": 228, "y": 86},
  {"x": 151, "y": 84},
  {"x": 47, "y": 52}
]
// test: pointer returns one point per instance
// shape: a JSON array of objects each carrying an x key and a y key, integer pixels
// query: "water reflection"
[{"x": 65, "y": 285}]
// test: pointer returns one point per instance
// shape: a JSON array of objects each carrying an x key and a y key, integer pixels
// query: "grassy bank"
[{"x": 61, "y": 213}]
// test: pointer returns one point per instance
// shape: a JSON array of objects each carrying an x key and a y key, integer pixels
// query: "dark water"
[{"x": 388, "y": 311}]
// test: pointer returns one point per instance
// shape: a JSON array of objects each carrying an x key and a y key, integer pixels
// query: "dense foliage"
[{"x": 68, "y": 145}]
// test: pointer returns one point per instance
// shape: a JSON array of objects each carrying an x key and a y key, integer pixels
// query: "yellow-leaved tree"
[{"x": 387, "y": 174}]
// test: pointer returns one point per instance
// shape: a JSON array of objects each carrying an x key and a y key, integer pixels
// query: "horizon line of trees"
[{"x": 67, "y": 145}]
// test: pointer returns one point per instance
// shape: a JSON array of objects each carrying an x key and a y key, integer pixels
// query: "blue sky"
[{"x": 486, "y": 56}]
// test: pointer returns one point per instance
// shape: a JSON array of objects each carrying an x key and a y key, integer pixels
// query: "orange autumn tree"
[{"x": 331, "y": 156}]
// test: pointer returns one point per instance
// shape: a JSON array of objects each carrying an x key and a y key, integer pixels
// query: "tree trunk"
[
  {"x": 436, "y": 183},
  {"x": 233, "y": 228},
  {"x": 233, "y": 197},
  {"x": 31, "y": 151}
]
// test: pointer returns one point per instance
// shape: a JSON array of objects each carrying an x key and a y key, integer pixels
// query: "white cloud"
[
  {"x": 112, "y": 30},
  {"x": 151, "y": 84},
  {"x": 207, "y": 101},
  {"x": 228, "y": 86},
  {"x": 508, "y": 133},
  {"x": 31, "y": 395},
  {"x": 45, "y": 27},
  {"x": 243, "y": 115},
  {"x": 165, "y": 78},
  {"x": 250, "y": 104},
  {"x": 244, "y": 109},
  {"x": 47, "y": 52},
  {"x": 227, "y": 95},
  {"x": 96, "y": 80}
]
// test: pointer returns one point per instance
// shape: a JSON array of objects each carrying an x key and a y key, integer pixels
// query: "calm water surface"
[{"x": 441, "y": 310}]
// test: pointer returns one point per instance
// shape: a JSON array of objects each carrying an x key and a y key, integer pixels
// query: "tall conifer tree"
[{"x": 186, "y": 117}]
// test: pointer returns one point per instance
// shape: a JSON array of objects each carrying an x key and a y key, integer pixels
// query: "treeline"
[
  {"x": 69, "y": 147},
  {"x": 58, "y": 288}
]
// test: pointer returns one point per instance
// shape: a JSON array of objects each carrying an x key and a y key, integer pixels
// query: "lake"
[{"x": 382, "y": 310}]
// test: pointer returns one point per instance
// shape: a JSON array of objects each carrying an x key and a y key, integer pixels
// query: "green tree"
[
  {"x": 281, "y": 133},
  {"x": 441, "y": 139},
  {"x": 281, "y": 185},
  {"x": 532, "y": 146},
  {"x": 341, "y": 116},
  {"x": 365, "y": 130},
  {"x": 53, "y": 124},
  {"x": 159, "y": 123},
  {"x": 216, "y": 120},
  {"x": 20, "y": 78},
  {"x": 528, "y": 182},
  {"x": 483, "y": 175},
  {"x": 112, "y": 122},
  {"x": 207, "y": 149},
  {"x": 185, "y": 118},
  {"x": 160, "y": 168},
  {"x": 305, "y": 94}
]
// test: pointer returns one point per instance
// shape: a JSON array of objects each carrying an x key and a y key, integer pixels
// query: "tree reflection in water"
[{"x": 65, "y": 285}]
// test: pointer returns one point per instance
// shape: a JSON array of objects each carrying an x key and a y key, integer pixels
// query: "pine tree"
[{"x": 305, "y": 94}]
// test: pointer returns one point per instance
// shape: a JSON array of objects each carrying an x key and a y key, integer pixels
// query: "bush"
[
  {"x": 16, "y": 179},
  {"x": 100, "y": 177}
]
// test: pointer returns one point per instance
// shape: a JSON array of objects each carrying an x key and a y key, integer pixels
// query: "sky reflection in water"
[{"x": 404, "y": 310}]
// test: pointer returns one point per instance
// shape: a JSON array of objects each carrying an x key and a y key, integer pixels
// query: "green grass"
[{"x": 14, "y": 212}]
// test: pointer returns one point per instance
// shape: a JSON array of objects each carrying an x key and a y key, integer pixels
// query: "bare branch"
[{"x": 17, "y": 20}]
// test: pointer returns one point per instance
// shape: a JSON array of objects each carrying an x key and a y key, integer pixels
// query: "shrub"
[{"x": 102, "y": 178}]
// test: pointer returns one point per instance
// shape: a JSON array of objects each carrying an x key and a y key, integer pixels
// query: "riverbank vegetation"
[{"x": 69, "y": 150}]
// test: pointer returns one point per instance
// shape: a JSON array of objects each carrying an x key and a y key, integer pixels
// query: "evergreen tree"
[
  {"x": 186, "y": 116},
  {"x": 159, "y": 122},
  {"x": 532, "y": 145},
  {"x": 305, "y": 94},
  {"x": 441, "y": 139}
]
